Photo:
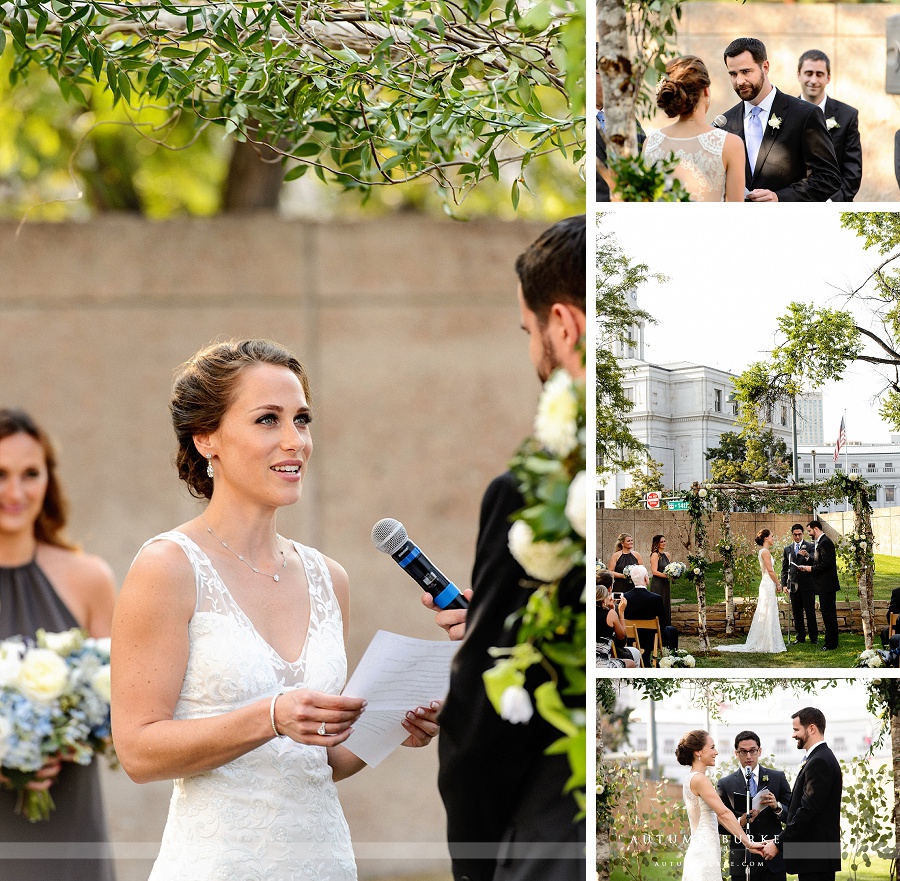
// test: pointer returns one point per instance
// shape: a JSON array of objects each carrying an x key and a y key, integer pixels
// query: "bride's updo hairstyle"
[
  {"x": 689, "y": 745},
  {"x": 761, "y": 536},
  {"x": 680, "y": 89},
  {"x": 203, "y": 391}
]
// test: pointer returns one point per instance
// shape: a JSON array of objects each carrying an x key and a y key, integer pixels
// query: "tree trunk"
[
  {"x": 254, "y": 179},
  {"x": 701, "y": 597},
  {"x": 728, "y": 572},
  {"x": 615, "y": 68},
  {"x": 895, "y": 756},
  {"x": 865, "y": 586},
  {"x": 603, "y": 852}
]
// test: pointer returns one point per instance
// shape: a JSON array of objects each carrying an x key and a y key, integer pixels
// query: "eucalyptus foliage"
[{"x": 364, "y": 93}]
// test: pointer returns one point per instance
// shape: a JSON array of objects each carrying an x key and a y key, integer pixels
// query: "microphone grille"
[
  {"x": 719, "y": 121},
  {"x": 388, "y": 534}
]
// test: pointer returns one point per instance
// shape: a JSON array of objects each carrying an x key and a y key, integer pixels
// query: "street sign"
[
  {"x": 680, "y": 505},
  {"x": 653, "y": 500}
]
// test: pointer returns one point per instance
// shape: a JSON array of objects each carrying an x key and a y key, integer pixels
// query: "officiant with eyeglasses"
[{"x": 771, "y": 790}]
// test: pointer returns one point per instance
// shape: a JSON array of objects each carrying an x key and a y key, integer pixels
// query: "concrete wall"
[
  {"x": 853, "y": 37},
  {"x": 422, "y": 389},
  {"x": 885, "y": 528}
]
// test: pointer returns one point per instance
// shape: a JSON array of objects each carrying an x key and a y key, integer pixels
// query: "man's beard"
[
  {"x": 756, "y": 88},
  {"x": 549, "y": 361}
]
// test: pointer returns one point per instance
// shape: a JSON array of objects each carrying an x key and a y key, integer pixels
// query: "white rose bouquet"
[
  {"x": 869, "y": 658},
  {"x": 54, "y": 703},
  {"x": 675, "y": 570},
  {"x": 676, "y": 658}
]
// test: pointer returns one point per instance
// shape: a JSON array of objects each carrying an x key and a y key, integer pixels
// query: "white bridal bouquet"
[
  {"x": 676, "y": 658},
  {"x": 675, "y": 570},
  {"x": 54, "y": 703}
]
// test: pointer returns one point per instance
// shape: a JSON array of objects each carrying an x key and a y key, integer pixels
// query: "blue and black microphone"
[{"x": 389, "y": 536}]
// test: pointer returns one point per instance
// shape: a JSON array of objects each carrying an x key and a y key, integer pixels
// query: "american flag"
[{"x": 841, "y": 441}]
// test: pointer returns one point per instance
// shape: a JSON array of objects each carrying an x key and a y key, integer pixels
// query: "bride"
[
  {"x": 765, "y": 628},
  {"x": 711, "y": 161},
  {"x": 703, "y": 859}
]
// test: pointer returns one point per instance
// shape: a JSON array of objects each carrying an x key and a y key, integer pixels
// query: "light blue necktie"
[
  {"x": 601, "y": 118},
  {"x": 754, "y": 137},
  {"x": 753, "y": 787}
]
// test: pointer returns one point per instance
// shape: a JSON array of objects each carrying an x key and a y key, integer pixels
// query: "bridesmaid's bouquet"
[
  {"x": 54, "y": 704},
  {"x": 675, "y": 570}
]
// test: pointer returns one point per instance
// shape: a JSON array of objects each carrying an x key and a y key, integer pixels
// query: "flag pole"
[{"x": 846, "y": 459}]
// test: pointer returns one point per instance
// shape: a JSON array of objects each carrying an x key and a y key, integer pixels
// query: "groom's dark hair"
[
  {"x": 747, "y": 735},
  {"x": 552, "y": 269},
  {"x": 814, "y": 524},
  {"x": 747, "y": 44},
  {"x": 811, "y": 716}
]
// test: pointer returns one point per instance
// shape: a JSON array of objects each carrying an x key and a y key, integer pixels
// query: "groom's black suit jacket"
[
  {"x": 824, "y": 567},
  {"x": 766, "y": 826},
  {"x": 811, "y": 840},
  {"x": 790, "y": 575},
  {"x": 496, "y": 781},
  {"x": 797, "y": 160}
]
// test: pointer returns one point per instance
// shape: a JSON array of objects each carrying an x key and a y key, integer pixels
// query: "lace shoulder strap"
[
  {"x": 653, "y": 140},
  {"x": 714, "y": 141},
  {"x": 321, "y": 586},
  {"x": 198, "y": 560}
]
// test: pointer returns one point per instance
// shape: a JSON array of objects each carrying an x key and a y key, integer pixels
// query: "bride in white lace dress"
[
  {"x": 711, "y": 161},
  {"x": 703, "y": 859},
  {"x": 765, "y": 628},
  {"x": 228, "y": 642}
]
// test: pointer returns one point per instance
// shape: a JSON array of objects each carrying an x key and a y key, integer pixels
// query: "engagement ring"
[{"x": 322, "y": 730}]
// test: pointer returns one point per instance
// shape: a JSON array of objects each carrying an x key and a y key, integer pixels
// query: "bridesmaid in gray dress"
[{"x": 46, "y": 582}]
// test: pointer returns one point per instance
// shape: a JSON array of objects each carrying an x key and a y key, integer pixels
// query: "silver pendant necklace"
[{"x": 246, "y": 562}]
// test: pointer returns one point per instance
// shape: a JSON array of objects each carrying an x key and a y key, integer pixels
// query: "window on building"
[
  {"x": 781, "y": 746},
  {"x": 870, "y": 468},
  {"x": 601, "y": 499},
  {"x": 839, "y": 466},
  {"x": 784, "y": 415},
  {"x": 668, "y": 746},
  {"x": 629, "y": 393},
  {"x": 854, "y": 467},
  {"x": 888, "y": 467},
  {"x": 823, "y": 469},
  {"x": 889, "y": 493},
  {"x": 840, "y": 744},
  {"x": 641, "y": 745},
  {"x": 807, "y": 469},
  {"x": 718, "y": 401}
]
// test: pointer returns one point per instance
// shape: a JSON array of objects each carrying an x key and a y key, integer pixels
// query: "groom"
[
  {"x": 825, "y": 581},
  {"x": 790, "y": 155},
  {"x": 763, "y": 823},
  {"x": 811, "y": 840}
]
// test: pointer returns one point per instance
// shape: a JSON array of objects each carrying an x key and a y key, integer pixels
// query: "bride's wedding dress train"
[
  {"x": 765, "y": 628},
  {"x": 703, "y": 858}
]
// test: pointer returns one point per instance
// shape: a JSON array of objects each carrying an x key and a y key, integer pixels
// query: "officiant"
[{"x": 763, "y": 822}]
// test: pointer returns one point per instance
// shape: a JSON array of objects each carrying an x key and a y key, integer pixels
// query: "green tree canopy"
[
  {"x": 645, "y": 477},
  {"x": 750, "y": 456},
  {"x": 365, "y": 94}
]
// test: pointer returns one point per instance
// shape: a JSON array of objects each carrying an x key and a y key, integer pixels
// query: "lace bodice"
[
  {"x": 703, "y": 859},
  {"x": 700, "y": 166},
  {"x": 272, "y": 813}
]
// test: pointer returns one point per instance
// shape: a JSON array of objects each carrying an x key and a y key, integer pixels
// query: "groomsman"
[
  {"x": 762, "y": 823},
  {"x": 841, "y": 120},
  {"x": 790, "y": 156},
  {"x": 823, "y": 569}
]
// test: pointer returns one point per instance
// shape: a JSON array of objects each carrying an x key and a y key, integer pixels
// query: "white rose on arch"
[
  {"x": 576, "y": 504},
  {"x": 556, "y": 422}
]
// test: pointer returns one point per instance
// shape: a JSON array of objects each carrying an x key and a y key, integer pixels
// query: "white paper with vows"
[{"x": 396, "y": 674}]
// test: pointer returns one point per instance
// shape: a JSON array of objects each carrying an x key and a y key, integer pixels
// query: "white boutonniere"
[
  {"x": 765, "y": 778},
  {"x": 775, "y": 122},
  {"x": 831, "y": 123}
]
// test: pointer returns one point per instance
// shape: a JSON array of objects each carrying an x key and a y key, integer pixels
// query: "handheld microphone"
[
  {"x": 719, "y": 121},
  {"x": 389, "y": 536}
]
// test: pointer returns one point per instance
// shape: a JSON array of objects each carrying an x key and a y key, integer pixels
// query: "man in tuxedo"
[
  {"x": 811, "y": 840},
  {"x": 825, "y": 581},
  {"x": 508, "y": 816},
  {"x": 841, "y": 120},
  {"x": 762, "y": 823},
  {"x": 799, "y": 583},
  {"x": 790, "y": 157},
  {"x": 643, "y": 604}
]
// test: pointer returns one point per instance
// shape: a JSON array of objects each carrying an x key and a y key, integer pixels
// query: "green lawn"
[
  {"x": 670, "y": 870},
  {"x": 803, "y": 655},
  {"x": 887, "y": 577}
]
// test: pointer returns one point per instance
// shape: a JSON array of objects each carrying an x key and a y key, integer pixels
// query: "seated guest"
[
  {"x": 642, "y": 604},
  {"x": 893, "y": 608},
  {"x": 611, "y": 625}
]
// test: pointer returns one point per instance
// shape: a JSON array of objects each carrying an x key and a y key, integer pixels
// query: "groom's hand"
[
  {"x": 769, "y": 851},
  {"x": 761, "y": 196}
]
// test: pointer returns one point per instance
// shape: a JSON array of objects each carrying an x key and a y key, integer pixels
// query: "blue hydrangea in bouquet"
[{"x": 54, "y": 704}]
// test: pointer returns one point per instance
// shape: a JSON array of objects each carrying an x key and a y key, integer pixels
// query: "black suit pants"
[
  {"x": 803, "y": 602},
  {"x": 815, "y": 876},
  {"x": 757, "y": 873},
  {"x": 828, "y": 608}
]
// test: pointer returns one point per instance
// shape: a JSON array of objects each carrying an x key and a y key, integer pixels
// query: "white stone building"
[{"x": 877, "y": 463}]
